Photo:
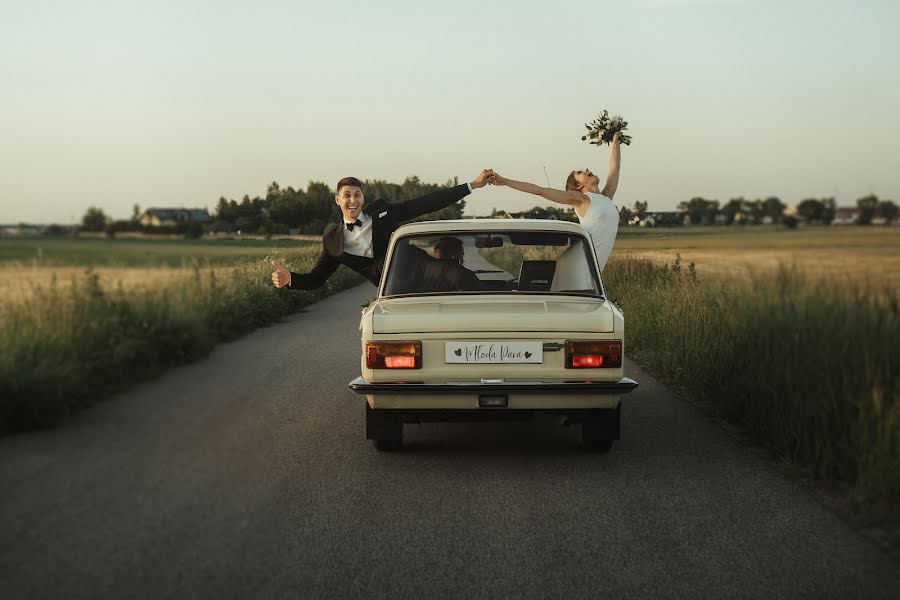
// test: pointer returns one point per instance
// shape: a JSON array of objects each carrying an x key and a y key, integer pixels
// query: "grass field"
[
  {"x": 794, "y": 336},
  {"x": 89, "y": 317},
  {"x": 29, "y": 264},
  {"x": 857, "y": 253},
  {"x": 98, "y": 252}
]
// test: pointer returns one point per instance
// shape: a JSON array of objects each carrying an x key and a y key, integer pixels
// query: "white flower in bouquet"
[{"x": 602, "y": 129}]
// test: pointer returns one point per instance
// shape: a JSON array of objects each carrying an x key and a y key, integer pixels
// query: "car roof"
[{"x": 476, "y": 225}]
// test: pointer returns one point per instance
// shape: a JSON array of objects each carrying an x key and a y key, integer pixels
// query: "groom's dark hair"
[{"x": 351, "y": 181}]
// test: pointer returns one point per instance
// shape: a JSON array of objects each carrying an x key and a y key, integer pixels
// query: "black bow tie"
[{"x": 356, "y": 223}]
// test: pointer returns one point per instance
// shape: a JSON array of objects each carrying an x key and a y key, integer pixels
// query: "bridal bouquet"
[{"x": 602, "y": 129}]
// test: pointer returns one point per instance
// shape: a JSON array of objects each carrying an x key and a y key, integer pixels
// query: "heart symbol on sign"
[
  {"x": 458, "y": 352},
  {"x": 527, "y": 354}
]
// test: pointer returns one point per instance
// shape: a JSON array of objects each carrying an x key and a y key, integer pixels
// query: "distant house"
[
  {"x": 21, "y": 230},
  {"x": 741, "y": 217},
  {"x": 664, "y": 218},
  {"x": 647, "y": 221},
  {"x": 718, "y": 219},
  {"x": 171, "y": 217},
  {"x": 846, "y": 215}
]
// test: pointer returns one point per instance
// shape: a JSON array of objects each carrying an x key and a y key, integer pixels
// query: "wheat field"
[
  {"x": 856, "y": 254},
  {"x": 30, "y": 265}
]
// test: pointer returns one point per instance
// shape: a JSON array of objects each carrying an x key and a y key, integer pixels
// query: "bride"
[{"x": 593, "y": 206}]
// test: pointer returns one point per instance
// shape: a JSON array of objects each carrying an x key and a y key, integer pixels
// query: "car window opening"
[{"x": 494, "y": 263}]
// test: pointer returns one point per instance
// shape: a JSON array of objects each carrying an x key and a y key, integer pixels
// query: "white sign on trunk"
[{"x": 493, "y": 352}]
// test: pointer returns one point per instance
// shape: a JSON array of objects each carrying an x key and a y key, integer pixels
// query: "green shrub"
[
  {"x": 67, "y": 348},
  {"x": 807, "y": 366}
]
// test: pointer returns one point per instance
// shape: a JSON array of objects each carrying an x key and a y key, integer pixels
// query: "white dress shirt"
[{"x": 359, "y": 241}]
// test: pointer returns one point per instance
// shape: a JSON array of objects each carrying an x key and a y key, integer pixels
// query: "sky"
[{"x": 176, "y": 103}]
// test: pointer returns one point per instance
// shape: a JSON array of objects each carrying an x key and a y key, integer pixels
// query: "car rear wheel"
[
  {"x": 388, "y": 445},
  {"x": 599, "y": 446},
  {"x": 599, "y": 429},
  {"x": 384, "y": 428}
]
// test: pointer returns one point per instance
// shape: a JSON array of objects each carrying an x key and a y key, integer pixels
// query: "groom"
[{"x": 360, "y": 240}]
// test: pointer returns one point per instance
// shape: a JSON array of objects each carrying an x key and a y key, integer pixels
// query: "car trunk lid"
[{"x": 492, "y": 314}]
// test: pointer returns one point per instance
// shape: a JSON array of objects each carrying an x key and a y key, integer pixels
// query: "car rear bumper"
[
  {"x": 622, "y": 386},
  {"x": 506, "y": 396}
]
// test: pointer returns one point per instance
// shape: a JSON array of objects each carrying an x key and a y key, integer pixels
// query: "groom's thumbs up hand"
[{"x": 281, "y": 277}]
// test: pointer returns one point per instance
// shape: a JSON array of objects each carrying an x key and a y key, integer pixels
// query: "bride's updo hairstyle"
[{"x": 572, "y": 184}]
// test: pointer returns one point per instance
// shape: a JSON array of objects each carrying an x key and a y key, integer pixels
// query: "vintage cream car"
[{"x": 491, "y": 319}]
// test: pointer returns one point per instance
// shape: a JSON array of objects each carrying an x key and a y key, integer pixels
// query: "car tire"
[
  {"x": 388, "y": 445},
  {"x": 598, "y": 446},
  {"x": 600, "y": 428},
  {"x": 384, "y": 428}
]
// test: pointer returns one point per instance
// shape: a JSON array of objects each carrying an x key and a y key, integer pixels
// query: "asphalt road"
[{"x": 248, "y": 475}]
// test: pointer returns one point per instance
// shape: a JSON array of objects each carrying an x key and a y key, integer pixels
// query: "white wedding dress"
[{"x": 602, "y": 223}]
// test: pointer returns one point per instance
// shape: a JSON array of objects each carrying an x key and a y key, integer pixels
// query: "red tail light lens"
[
  {"x": 394, "y": 355},
  {"x": 400, "y": 362},
  {"x": 587, "y": 360},
  {"x": 593, "y": 354}
]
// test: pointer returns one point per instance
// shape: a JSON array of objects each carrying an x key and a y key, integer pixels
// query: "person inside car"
[{"x": 445, "y": 272}]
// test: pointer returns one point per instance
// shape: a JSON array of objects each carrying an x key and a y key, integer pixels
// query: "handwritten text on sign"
[{"x": 493, "y": 352}]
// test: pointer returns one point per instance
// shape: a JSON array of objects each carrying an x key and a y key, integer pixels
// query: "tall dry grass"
[
  {"x": 66, "y": 346},
  {"x": 808, "y": 366}
]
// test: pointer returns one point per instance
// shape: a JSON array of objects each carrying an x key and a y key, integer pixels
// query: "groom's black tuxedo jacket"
[{"x": 386, "y": 218}]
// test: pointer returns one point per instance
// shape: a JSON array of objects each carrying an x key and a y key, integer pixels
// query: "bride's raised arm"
[
  {"x": 573, "y": 198},
  {"x": 615, "y": 162}
]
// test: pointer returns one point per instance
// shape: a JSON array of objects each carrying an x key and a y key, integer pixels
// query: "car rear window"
[{"x": 513, "y": 262}]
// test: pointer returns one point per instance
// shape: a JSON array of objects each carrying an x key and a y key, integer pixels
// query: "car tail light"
[
  {"x": 394, "y": 355},
  {"x": 580, "y": 361},
  {"x": 400, "y": 362},
  {"x": 593, "y": 354}
]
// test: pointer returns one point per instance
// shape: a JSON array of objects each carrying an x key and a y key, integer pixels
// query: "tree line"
[
  {"x": 822, "y": 211},
  {"x": 281, "y": 210},
  {"x": 308, "y": 211},
  {"x": 295, "y": 210},
  {"x": 699, "y": 211}
]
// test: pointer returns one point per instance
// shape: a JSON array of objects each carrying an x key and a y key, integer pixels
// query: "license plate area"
[
  {"x": 493, "y": 401},
  {"x": 499, "y": 352}
]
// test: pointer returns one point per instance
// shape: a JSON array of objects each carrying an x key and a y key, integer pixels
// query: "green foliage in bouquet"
[{"x": 602, "y": 129}]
